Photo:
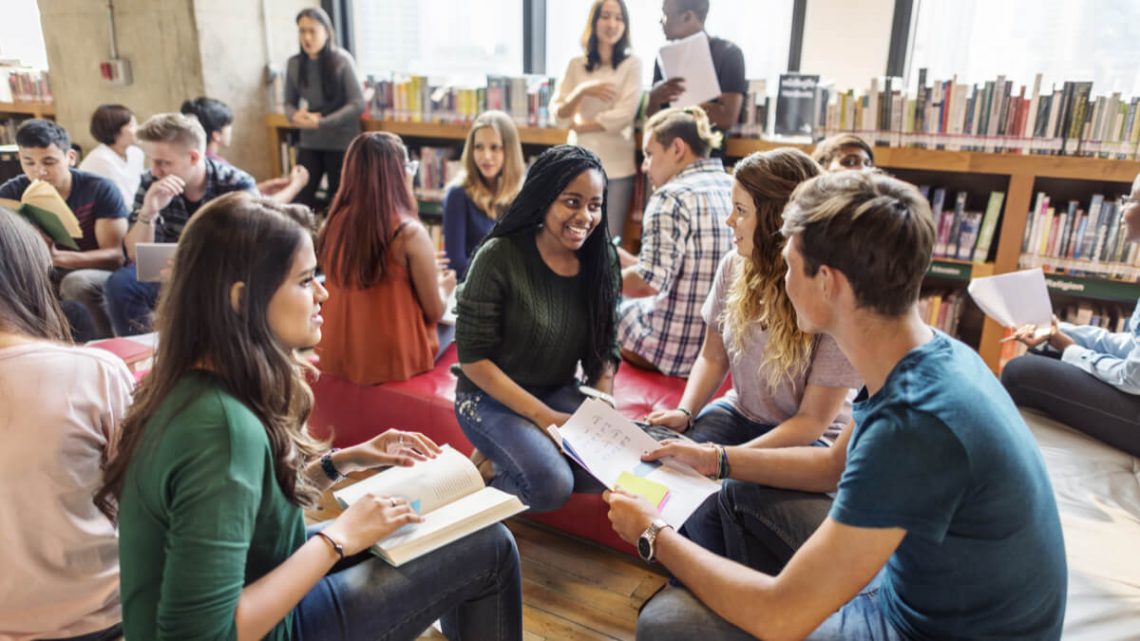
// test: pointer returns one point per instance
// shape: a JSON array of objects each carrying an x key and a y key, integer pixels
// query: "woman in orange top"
[{"x": 386, "y": 292}]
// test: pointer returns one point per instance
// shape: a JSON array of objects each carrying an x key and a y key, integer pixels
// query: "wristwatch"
[{"x": 647, "y": 542}]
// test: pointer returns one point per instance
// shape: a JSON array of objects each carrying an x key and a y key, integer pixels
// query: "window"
[
  {"x": 21, "y": 37},
  {"x": 761, "y": 28},
  {"x": 452, "y": 38},
  {"x": 1063, "y": 40}
]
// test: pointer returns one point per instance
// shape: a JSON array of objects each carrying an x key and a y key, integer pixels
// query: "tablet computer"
[{"x": 151, "y": 259}]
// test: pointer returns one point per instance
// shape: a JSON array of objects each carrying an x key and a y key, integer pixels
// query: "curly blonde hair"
[{"x": 757, "y": 295}]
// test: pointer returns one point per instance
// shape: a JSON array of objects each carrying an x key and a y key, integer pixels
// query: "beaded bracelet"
[
  {"x": 688, "y": 415},
  {"x": 722, "y": 468}
]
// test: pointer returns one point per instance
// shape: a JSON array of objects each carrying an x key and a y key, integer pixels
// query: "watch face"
[{"x": 644, "y": 549}]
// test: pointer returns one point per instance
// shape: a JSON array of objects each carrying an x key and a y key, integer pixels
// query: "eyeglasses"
[{"x": 412, "y": 167}]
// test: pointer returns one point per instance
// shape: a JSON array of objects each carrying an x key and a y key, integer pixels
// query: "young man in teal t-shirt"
[{"x": 943, "y": 523}]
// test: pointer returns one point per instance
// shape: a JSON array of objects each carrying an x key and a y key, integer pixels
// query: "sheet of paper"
[
  {"x": 1015, "y": 299},
  {"x": 610, "y": 445},
  {"x": 691, "y": 59}
]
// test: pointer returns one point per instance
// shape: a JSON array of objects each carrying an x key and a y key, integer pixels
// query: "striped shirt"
[
  {"x": 683, "y": 239},
  {"x": 221, "y": 178}
]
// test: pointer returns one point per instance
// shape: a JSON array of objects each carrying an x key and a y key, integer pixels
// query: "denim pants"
[
  {"x": 473, "y": 584},
  {"x": 527, "y": 462},
  {"x": 676, "y": 615},
  {"x": 721, "y": 423},
  {"x": 129, "y": 302}
]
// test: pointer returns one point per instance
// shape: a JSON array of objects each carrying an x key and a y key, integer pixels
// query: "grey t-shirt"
[{"x": 750, "y": 393}]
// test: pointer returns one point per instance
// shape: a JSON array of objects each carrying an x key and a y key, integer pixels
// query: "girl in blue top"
[
  {"x": 492, "y": 175},
  {"x": 1095, "y": 385}
]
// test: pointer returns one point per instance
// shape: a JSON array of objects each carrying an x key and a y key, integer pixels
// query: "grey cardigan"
[{"x": 340, "y": 119}]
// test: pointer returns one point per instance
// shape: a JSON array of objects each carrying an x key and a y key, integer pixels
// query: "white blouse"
[
  {"x": 615, "y": 146},
  {"x": 126, "y": 174}
]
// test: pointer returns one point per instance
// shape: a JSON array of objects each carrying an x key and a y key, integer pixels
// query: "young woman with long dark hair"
[
  {"x": 386, "y": 291},
  {"x": 215, "y": 463},
  {"x": 323, "y": 97},
  {"x": 540, "y": 299}
]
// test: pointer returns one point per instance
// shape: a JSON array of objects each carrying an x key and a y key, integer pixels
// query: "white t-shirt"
[
  {"x": 614, "y": 146},
  {"x": 126, "y": 174},
  {"x": 59, "y": 408}
]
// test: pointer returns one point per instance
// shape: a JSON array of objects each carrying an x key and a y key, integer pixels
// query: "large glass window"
[
  {"x": 453, "y": 38},
  {"x": 1061, "y": 39},
  {"x": 761, "y": 28},
  {"x": 21, "y": 37}
]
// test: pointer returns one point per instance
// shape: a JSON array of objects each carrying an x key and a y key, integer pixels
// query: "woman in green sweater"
[
  {"x": 540, "y": 299},
  {"x": 215, "y": 463}
]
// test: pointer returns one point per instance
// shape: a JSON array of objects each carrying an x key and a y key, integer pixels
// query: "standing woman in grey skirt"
[{"x": 323, "y": 99}]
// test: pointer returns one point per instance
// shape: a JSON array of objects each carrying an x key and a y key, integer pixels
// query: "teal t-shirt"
[
  {"x": 942, "y": 452},
  {"x": 201, "y": 517}
]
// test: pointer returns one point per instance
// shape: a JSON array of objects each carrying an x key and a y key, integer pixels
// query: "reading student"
[
  {"x": 788, "y": 387},
  {"x": 1084, "y": 376},
  {"x": 943, "y": 512},
  {"x": 215, "y": 463}
]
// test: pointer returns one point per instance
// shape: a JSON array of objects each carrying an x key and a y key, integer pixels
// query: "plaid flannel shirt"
[
  {"x": 221, "y": 178},
  {"x": 683, "y": 239}
]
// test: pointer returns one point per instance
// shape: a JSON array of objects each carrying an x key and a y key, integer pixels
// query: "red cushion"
[{"x": 425, "y": 403}]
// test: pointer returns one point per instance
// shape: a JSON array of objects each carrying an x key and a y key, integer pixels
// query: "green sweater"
[
  {"x": 201, "y": 517},
  {"x": 516, "y": 312}
]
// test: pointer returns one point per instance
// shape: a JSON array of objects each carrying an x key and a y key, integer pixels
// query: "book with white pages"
[
  {"x": 1015, "y": 299},
  {"x": 691, "y": 59},
  {"x": 608, "y": 445},
  {"x": 447, "y": 491}
]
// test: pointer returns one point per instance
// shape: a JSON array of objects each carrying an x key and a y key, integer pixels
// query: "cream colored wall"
[
  {"x": 178, "y": 49},
  {"x": 847, "y": 40}
]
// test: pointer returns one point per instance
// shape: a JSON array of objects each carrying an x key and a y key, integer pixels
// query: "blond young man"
[{"x": 943, "y": 523}]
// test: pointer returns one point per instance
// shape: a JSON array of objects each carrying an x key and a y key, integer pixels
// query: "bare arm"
[
  {"x": 725, "y": 112},
  {"x": 706, "y": 377},
  {"x": 425, "y": 272},
  {"x": 818, "y": 409},
  {"x": 109, "y": 233}
]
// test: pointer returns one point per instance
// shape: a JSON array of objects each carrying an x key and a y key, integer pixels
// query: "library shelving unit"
[
  {"x": 1016, "y": 174},
  {"x": 32, "y": 109}
]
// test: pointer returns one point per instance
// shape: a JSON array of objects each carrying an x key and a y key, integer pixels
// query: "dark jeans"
[
  {"x": 527, "y": 462},
  {"x": 130, "y": 304},
  {"x": 319, "y": 162},
  {"x": 79, "y": 319},
  {"x": 1075, "y": 398},
  {"x": 474, "y": 585},
  {"x": 721, "y": 423}
]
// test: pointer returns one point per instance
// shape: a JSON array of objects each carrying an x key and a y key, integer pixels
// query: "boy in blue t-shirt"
[
  {"x": 943, "y": 523},
  {"x": 46, "y": 154}
]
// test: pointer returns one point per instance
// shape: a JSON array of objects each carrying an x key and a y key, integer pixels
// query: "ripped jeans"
[{"x": 527, "y": 462}]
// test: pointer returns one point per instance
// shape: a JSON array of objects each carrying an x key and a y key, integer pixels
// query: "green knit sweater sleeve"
[{"x": 481, "y": 298}]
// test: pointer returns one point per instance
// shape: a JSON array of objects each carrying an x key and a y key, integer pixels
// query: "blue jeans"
[
  {"x": 130, "y": 303},
  {"x": 721, "y": 423},
  {"x": 527, "y": 462},
  {"x": 473, "y": 584},
  {"x": 676, "y": 615}
]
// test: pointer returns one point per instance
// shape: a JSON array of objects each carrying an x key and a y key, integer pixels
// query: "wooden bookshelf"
[
  {"x": 33, "y": 109},
  {"x": 1021, "y": 171}
]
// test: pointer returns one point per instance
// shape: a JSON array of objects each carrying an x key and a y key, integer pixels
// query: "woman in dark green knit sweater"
[
  {"x": 215, "y": 462},
  {"x": 540, "y": 299}
]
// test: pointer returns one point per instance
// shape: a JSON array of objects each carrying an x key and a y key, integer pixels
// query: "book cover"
[
  {"x": 42, "y": 206},
  {"x": 989, "y": 226},
  {"x": 795, "y": 104}
]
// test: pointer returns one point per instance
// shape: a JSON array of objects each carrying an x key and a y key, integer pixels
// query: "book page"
[
  {"x": 427, "y": 485},
  {"x": 1014, "y": 299},
  {"x": 607, "y": 445}
]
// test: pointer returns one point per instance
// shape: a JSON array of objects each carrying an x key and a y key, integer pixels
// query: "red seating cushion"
[{"x": 425, "y": 403}]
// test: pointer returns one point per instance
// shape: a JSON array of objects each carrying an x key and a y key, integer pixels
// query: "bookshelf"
[
  {"x": 32, "y": 109},
  {"x": 1017, "y": 174}
]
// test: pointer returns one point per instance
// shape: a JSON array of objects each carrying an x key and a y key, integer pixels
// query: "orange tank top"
[{"x": 375, "y": 335}]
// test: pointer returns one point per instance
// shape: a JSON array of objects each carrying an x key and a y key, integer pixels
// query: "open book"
[
  {"x": 42, "y": 206},
  {"x": 609, "y": 447},
  {"x": 447, "y": 491}
]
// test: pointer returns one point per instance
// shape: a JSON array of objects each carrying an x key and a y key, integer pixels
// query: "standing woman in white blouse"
[{"x": 597, "y": 99}]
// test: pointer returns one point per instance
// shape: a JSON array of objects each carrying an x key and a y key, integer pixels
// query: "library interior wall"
[
  {"x": 847, "y": 41},
  {"x": 178, "y": 49}
]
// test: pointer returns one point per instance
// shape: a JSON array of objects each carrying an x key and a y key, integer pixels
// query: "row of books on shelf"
[
  {"x": 942, "y": 308},
  {"x": 992, "y": 117},
  {"x": 20, "y": 84},
  {"x": 415, "y": 98},
  {"x": 963, "y": 234},
  {"x": 438, "y": 167},
  {"x": 1080, "y": 240},
  {"x": 8, "y": 127}
]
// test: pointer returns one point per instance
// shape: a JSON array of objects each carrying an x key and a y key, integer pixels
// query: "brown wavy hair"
[
  {"x": 493, "y": 198},
  {"x": 235, "y": 238},
  {"x": 758, "y": 295}
]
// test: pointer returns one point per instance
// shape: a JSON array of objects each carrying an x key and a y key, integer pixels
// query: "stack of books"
[{"x": 1078, "y": 240}]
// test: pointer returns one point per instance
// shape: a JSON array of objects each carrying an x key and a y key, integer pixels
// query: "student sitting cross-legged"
[
  {"x": 181, "y": 179},
  {"x": 538, "y": 300},
  {"x": 492, "y": 173},
  {"x": 46, "y": 154},
  {"x": 788, "y": 387},
  {"x": 943, "y": 524},
  {"x": 215, "y": 463},
  {"x": 62, "y": 407},
  {"x": 386, "y": 292}
]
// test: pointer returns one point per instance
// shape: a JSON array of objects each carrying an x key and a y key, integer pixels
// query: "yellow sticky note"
[{"x": 652, "y": 491}]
